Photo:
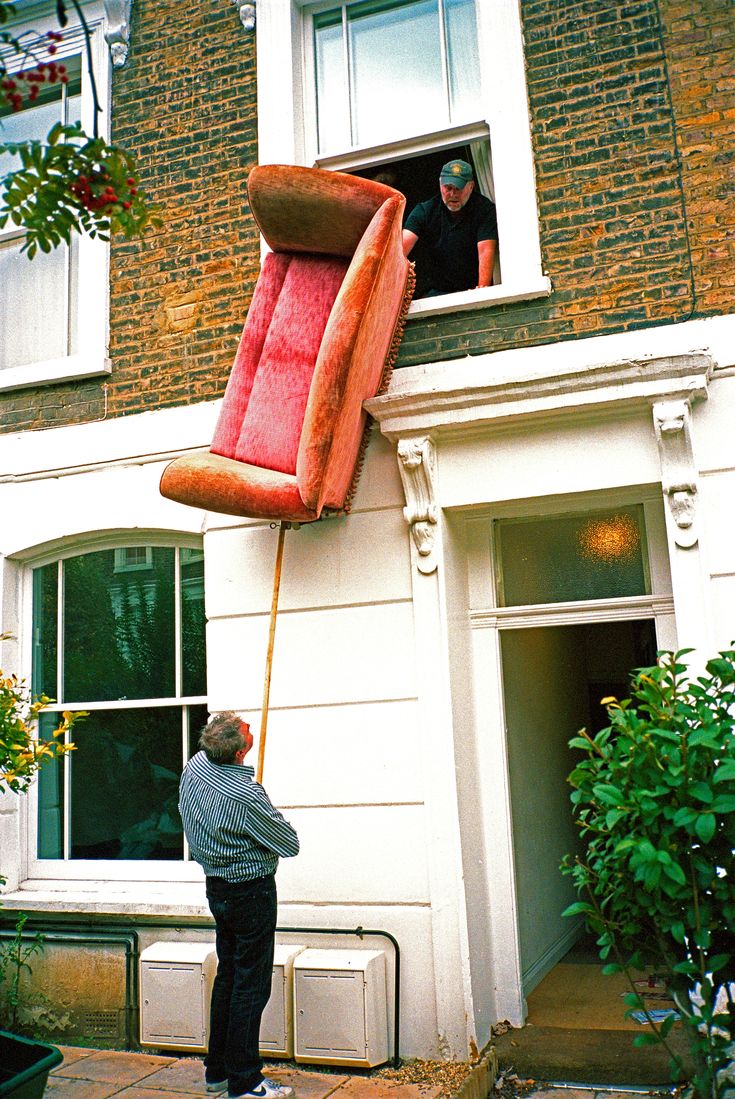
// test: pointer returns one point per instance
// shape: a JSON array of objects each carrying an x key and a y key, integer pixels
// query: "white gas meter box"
[
  {"x": 276, "y": 1026},
  {"x": 340, "y": 1008},
  {"x": 175, "y": 990}
]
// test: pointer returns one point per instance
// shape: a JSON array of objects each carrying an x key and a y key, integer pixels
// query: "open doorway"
[{"x": 554, "y": 678}]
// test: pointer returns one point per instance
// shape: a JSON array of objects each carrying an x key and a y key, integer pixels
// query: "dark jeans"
[{"x": 245, "y": 915}]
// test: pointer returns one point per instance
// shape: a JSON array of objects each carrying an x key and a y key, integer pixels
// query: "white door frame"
[{"x": 486, "y": 622}]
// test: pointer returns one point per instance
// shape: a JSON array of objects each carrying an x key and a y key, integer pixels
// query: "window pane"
[
  {"x": 124, "y": 785},
  {"x": 555, "y": 560},
  {"x": 33, "y": 297},
  {"x": 333, "y": 105},
  {"x": 396, "y": 70},
  {"x": 193, "y": 654},
  {"x": 35, "y": 294},
  {"x": 464, "y": 64},
  {"x": 119, "y": 626},
  {"x": 50, "y": 797},
  {"x": 45, "y": 629}
]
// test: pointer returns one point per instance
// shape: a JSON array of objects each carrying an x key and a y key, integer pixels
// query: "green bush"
[{"x": 654, "y": 801}]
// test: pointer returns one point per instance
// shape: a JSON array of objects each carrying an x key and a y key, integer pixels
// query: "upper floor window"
[
  {"x": 53, "y": 308},
  {"x": 389, "y": 69},
  {"x": 397, "y": 87},
  {"x": 119, "y": 633}
]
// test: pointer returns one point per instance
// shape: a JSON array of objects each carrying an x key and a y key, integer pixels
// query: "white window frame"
[
  {"x": 287, "y": 135},
  {"x": 37, "y": 870},
  {"x": 90, "y": 358}
]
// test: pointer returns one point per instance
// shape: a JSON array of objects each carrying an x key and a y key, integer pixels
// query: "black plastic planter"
[{"x": 25, "y": 1065}]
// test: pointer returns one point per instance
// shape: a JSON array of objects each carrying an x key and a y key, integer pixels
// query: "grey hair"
[{"x": 221, "y": 738}]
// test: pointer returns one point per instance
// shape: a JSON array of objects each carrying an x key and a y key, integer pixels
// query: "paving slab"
[
  {"x": 113, "y": 1067},
  {"x": 64, "y": 1087},
  {"x": 357, "y": 1088},
  {"x": 307, "y": 1085},
  {"x": 184, "y": 1074},
  {"x": 137, "y": 1091},
  {"x": 74, "y": 1053}
]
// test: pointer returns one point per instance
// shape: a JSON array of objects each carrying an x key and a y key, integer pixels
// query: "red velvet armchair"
[{"x": 322, "y": 331}]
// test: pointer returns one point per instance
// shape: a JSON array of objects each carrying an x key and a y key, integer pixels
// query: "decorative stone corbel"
[
  {"x": 672, "y": 422},
  {"x": 417, "y": 467},
  {"x": 117, "y": 32},
  {"x": 247, "y": 14}
]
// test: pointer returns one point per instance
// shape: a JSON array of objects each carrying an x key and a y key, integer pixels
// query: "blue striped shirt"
[{"x": 232, "y": 829}]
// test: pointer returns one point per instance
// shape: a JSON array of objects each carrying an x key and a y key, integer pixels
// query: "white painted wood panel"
[
  {"x": 353, "y": 654},
  {"x": 358, "y": 558},
  {"x": 712, "y": 426},
  {"x": 343, "y": 754},
  {"x": 550, "y": 458},
  {"x": 723, "y": 614},
  {"x": 716, "y": 514},
  {"x": 356, "y": 855}
]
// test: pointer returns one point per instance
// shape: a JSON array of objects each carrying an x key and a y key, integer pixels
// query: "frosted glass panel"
[
  {"x": 397, "y": 72},
  {"x": 464, "y": 63},
  {"x": 597, "y": 555}
]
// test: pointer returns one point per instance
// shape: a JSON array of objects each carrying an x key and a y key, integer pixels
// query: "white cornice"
[{"x": 473, "y": 394}]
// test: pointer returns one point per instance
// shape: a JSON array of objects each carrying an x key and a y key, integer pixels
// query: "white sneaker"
[
  {"x": 266, "y": 1089},
  {"x": 216, "y": 1086}
]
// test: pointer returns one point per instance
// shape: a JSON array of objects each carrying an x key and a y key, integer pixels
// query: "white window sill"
[
  {"x": 478, "y": 299},
  {"x": 105, "y": 898},
  {"x": 70, "y": 368}
]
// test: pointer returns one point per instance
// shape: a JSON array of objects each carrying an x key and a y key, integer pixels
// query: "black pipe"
[{"x": 117, "y": 933}]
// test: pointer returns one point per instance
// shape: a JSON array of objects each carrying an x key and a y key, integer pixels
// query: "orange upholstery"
[{"x": 324, "y": 321}]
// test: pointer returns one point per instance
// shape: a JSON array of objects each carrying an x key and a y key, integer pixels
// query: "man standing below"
[
  {"x": 459, "y": 231},
  {"x": 236, "y": 836}
]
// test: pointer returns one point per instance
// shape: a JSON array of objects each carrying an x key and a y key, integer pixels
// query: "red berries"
[
  {"x": 25, "y": 84},
  {"x": 97, "y": 192}
]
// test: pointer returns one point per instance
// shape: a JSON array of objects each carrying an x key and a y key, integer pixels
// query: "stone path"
[
  {"x": 98, "y": 1074},
  {"x": 95, "y": 1074}
]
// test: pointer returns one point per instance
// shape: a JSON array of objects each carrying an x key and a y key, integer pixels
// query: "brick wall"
[
  {"x": 185, "y": 105},
  {"x": 634, "y": 139}
]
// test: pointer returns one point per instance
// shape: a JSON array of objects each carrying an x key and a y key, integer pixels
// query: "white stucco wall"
[{"x": 380, "y": 749}]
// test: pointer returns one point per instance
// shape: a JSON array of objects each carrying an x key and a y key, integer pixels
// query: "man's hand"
[
  {"x": 409, "y": 239},
  {"x": 485, "y": 260}
]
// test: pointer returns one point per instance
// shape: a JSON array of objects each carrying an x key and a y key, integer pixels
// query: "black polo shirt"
[{"x": 450, "y": 242}]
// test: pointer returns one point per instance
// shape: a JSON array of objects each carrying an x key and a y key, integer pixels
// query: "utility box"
[
  {"x": 340, "y": 1008},
  {"x": 276, "y": 1026},
  {"x": 175, "y": 990}
]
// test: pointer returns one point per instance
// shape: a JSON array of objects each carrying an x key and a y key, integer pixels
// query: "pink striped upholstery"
[{"x": 320, "y": 327}]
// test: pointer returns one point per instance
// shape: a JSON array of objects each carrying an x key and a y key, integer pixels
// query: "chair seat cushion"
[{"x": 216, "y": 483}]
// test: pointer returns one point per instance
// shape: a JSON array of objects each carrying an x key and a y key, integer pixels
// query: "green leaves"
[
  {"x": 72, "y": 183},
  {"x": 654, "y": 802}
]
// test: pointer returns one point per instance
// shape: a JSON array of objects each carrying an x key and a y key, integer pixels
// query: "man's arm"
[
  {"x": 268, "y": 827},
  {"x": 409, "y": 239},
  {"x": 485, "y": 261}
]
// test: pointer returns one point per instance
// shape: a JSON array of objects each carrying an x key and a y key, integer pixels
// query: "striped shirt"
[{"x": 232, "y": 829}]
